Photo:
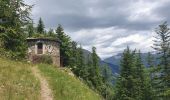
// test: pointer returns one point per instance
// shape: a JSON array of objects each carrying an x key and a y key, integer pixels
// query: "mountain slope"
[{"x": 65, "y": 86}]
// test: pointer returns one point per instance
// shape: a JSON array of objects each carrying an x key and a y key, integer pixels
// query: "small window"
[{"x": 40, "y": 48}]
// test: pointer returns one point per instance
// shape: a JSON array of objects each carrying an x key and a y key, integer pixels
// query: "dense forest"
[{"x": 135, "y": 81}]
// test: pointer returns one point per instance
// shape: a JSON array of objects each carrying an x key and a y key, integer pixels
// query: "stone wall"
[{"x": 49, "y": 48}]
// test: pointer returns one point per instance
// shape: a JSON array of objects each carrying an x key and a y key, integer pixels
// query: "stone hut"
[{"x": 38, "y": 47}]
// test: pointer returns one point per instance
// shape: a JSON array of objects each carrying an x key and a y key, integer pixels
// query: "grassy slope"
[
  {"x": 66, "y": 87},
  {"x": 17, "y": 81}
]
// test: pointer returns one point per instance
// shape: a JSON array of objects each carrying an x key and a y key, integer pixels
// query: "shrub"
[{"x": 12, "y": 43}]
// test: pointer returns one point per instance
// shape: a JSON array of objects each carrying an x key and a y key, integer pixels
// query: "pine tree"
[
  {"x": 139, "y": 77},
  {"x": 95, "y": 75},
  {"x": 80, "y": 62},
  {"x": 162, "y": 46},
  {"x": 132, "y": 83},
  {"x": 151, "y": 74},
  {"x": 65, "y": 46},
  {"x": 150, "y": 65},
  {"x": 40, "y": 27},
  {"x": 74, "y": 56},
  {"x": 143, "y": 80},
  {"x": 125, "y": 83},
  {"x": 89, "y": 69}
]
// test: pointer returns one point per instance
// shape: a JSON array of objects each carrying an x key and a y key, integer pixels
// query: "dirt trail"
[{"x": 46, "y": 93}]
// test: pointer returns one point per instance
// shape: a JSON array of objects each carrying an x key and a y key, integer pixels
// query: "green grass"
[
  {"x": 66, "y": 87},
  {"x": 17, "y": 81}
]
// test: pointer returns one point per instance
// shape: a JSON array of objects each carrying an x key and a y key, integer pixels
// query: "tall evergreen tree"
[
  {"x": 162, "y": 46},
  {"x": 151, "y": 73},
  {"x": 74, "y": 55},
  {"x": 125, "y": 83},
  {"x": 150, "y": 65},
  {"x": 143, "y": 85},
  {"x": 81, "y": 63},
  {"x": 65, "y": 46},
  {"x": 89, "y": 68},
  {"x": 40, "y": 27},
  {"x": 139, "y": 77},
  {"x": 95, "y": 75},
  {"x": 132, "y": 83}
]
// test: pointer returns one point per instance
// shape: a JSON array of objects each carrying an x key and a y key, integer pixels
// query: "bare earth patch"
[{"x": 46, "y": 93}]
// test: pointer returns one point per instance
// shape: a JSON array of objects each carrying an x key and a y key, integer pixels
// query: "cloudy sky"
[{"x": 109, "y": 25}]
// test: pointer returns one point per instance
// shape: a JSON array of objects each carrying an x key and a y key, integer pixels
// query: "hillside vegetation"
[
  {"x": 65, "y": 86},
  {"x": 17, "y": 81}
]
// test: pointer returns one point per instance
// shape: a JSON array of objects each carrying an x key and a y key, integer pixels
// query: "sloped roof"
[{"x": 43, "y": 39}]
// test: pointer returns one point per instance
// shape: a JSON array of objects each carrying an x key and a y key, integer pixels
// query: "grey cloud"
[
  {"x": 88, "y": 15},
  {"x": 164, "y": 11},
  {"x": 79, "y": 14}
]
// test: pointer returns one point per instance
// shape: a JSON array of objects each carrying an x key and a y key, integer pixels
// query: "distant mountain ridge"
[{"x": 114, "y": 61}]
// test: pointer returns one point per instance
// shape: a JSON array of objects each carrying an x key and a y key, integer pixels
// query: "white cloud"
[{"x": 112, "y": 40}]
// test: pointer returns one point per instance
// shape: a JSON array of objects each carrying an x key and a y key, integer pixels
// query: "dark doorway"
[{"x": 40, "y": 48}]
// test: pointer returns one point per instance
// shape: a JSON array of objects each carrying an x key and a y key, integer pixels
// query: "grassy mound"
[
  {"x": 65, "y": 86},
  {"x": 17, "y": 81}
]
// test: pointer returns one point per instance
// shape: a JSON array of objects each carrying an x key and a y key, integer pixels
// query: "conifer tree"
[
  {"x": 74, "y": 56},
  {"x": 89, "y": 69},
  {"x": 40, "y": 27},
  {"x": 80, "y": 63},
  {"x": 83, "y": 69},
  {"x": 132, "y": 83},
  {"x": 151, "y": 74},
  {"x": 125, "y": 83},
  {"x": 143, "y": 80},
  {"x": 162, "y": 46},
  {"x": 65, "y": 46},
  {"x": 95, "y": 75},
  {"x": 150, "y": 65},
  {"x": 139, "y": 77}
]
